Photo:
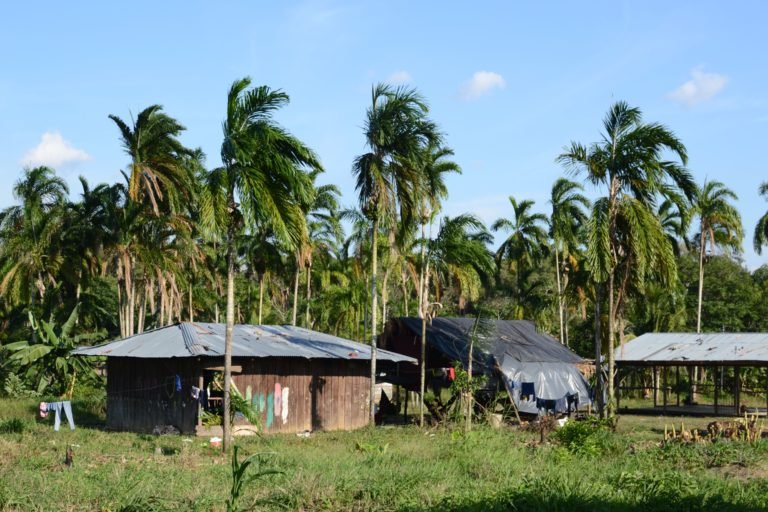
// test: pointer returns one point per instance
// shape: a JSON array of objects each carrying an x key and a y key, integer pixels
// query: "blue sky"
[{"x": 510, "y": 83}]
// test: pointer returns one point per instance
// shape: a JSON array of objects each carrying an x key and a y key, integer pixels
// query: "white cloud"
[
  {"x": 482, "y": 82},
  {"x": 54, "y": 151},
  {"x": 399, "y": 77},
  {"x": 701, "y": 87}
]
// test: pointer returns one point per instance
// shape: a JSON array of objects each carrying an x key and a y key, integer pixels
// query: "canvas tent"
[
  {"x": 297, "y": 379},
  {"x": 509, "y": 350}
]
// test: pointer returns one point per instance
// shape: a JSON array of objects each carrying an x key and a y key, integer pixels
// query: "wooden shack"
[{"x": 297, "y": 379}]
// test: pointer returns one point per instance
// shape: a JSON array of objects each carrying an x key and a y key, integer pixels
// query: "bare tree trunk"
[
  {"x": 421, "y": 270},
  {"x": 374, "y": 307},
  {"x": 226, "y": 424}
]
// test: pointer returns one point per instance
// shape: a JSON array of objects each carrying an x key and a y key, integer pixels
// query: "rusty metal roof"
[
  {"x": 689, "y": 348},
  {"x": 205, "y": 339}
]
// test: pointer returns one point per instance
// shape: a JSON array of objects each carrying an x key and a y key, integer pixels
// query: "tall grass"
[{"x": 399, "y": 468}]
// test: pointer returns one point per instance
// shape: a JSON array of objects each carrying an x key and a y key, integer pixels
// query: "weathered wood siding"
[
  {"x": 141, "y": 394},
  {"x": 321, "y": 394}
]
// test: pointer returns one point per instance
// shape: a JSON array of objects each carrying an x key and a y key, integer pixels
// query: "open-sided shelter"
[
  {"x": 687, "y": 373},
  {"x": 537, "y": 371},
  {"x": 296, "y": 378}
]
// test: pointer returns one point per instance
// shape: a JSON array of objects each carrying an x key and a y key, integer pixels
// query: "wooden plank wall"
[
  {"x": 141, "y": 394},
  {"x": 322, "y": 394}
]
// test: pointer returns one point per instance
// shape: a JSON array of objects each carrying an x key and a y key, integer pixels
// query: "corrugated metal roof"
[
  {"x": 685, "y": 348},
  {"x": 203, "y": 339}
]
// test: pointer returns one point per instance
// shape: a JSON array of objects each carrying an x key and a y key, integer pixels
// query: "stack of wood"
[{"x": 745, "y": 429}]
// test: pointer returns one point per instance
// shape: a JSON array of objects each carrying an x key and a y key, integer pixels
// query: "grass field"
[{"x": 387, "y": 468}]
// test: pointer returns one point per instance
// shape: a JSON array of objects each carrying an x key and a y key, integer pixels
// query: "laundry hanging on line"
[{"x": 58, "y": 408}]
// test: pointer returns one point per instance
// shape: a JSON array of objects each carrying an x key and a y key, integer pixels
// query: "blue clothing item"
[
  {"x": 527, "y": 389},
  {"x": 178, "y": 383},
  {"x": 58, "y": 407}
]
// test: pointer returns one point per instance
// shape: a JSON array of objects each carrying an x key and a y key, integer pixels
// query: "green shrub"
[
  {"x": 588, "y": 437},
  {"x": 13, "y": 426}
]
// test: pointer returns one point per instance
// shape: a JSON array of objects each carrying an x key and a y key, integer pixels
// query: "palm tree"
[
  {"x": 719, "y": 225},
  {"x": 387, "y": 182},
  {"x": 157, "y": 172},
  {"x": 761, "y": 229},
  {"x": 29, "y": 252},
  {"x": 675, "y": 223},
  {"x": 565, "y": 223},
  {"x": 626, "y": 240},
  {"x": 263, "y": 168},
  {"x": 527, "y": 241}
]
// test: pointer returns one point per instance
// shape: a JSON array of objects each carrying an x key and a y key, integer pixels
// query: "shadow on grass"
[{"x": 535, "y": 500}]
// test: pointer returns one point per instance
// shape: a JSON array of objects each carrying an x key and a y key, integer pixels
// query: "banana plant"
[{"x": 47, "y": 363}]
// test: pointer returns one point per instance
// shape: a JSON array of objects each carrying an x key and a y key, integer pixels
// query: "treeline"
[{"x": 655, "y": 251}]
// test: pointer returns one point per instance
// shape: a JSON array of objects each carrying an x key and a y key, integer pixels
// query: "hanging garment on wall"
[
  {"x": 527, "y": 391},
  {"x": 195, "y": 392},
  {"x": 178, "y": 383},
  {"x": 58, "y": 408}
]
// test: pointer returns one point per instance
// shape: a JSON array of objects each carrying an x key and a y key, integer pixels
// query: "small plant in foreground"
[{"x": 241, "y": 478}]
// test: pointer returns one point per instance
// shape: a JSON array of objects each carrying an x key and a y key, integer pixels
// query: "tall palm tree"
[
  {"x": 565, "y": 223},
  {"x": 29, "y": 251},
  {"x": 157, "y": 172},
  {"x": 761, "y": 229},
  {"x": 527, "y": 241},
  {"x": 396, "y": 131},
  {"x": 719, "y": 225},
  {"x": 625, "y": 236},
  {"x": 263, "y": 169}
]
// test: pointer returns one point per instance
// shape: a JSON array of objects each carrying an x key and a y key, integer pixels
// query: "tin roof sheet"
[
  {"x": 206, "y": 339},
  {"x": 691, "y": 347}
]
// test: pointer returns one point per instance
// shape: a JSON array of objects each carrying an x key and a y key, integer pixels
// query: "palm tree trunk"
[
  {"x": 404, "y": 286},
  {"x": 598, "y": 351},
  {"x": 261, "y": 296},
  {"x": 384, "y": 298},
  {"x": 226, "y": 426},
  {"x": 295, "y": 296},
  {"x": 191, "y": 307},
  {"x": 611, "y": 344},
  {"x": 374, "y": 306},
  {"x": 423, "y": 363},
  {"x": 421, "y": 270},
  {"x": 702, "y": 243},
  {"x": 559, "y": 293},
  {"x": 309, "y": 292}
]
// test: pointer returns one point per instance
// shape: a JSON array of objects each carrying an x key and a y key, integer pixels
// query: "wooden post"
[
  {"x": 766, "y": 391},
  {"x": 199, "y": 403},
  {"x": 737, "y": 394},
  {"x": 664, "y": 392},
  {"x": 677, "y": 385},
  {"x": 655, "y": 382},
  {"x": 618, "y": 390},
  {"x": 716, "y": 377}
]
